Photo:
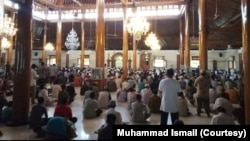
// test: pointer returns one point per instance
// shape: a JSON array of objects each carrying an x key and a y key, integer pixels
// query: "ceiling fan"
[
  {"x": 216, "y": 15},
  {"x": 114, "y": 35}
]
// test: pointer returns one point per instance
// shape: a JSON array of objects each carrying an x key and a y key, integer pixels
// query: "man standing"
[
  {"x": 202, "y": 83},
  {"x": 42, "y": 72},
  {"x": 168, "y": 89},
  {"x": 33, "y": 77},
  {"x": 53, "y": 73}
]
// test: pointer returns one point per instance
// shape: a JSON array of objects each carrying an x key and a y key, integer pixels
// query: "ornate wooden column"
[
  {"x": 23, "y": 49},
  {"x": 181, "y": 48},
  {"x": 134, "y": 53},
  {"x": 125, "y": 42},
  {"x": 202, "y": 34},
  {"x": 245, "y": 5},
  {"x": 187, "y": 37},
  {"x": 82, "y": 43},
  {"x": 59, "y": 37},
  {"x": 100, "y": 38}
]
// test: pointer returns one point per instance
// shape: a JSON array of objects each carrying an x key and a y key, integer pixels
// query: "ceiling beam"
[
  {"x": 226, "y": 29},
  {"x": 109, "y": 5},
  {"x": 219, "y": 42}
]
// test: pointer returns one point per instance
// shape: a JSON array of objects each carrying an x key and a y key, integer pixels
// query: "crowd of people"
[{"x": 159, "y": 91}]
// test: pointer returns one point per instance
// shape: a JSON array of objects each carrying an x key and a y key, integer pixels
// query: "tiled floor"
[{"x": 86, "y": 127}]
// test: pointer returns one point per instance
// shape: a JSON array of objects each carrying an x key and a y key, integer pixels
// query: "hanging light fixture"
[
  {"x": 138, "y": 26},
  {"x": 72, "y": 41},
  {"x": 7, "y": 27},
  {"x": 156, "y": 47},
  {"x": 152, "y": 41},
  {"x": 5, "y": 43},
  {"x": 49, "y": 47}
]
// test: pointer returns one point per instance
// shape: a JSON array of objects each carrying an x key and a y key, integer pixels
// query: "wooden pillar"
[
  {"x": 125, "y": 42},
  {"x": 187, "y": 37},
  {"x": 3, "y": 58},
  {"x": 178, "y": 61},
  {"x": 100, "y": 38},
  {"x": 134, "y": 53},
  {"x": 11, "y": 40},
  {"x": 59, "y": 40},
  {"x": 245, "y": 5},
  {"x": 181, "y": 47},
  {"x": 10, "y": 51},
  {"x": 202, "y": 34},
  {"x": 23, "y": 49},
  {"x": 44, "y": 42},
  {"x": 240, "y": 64},
  {"x": 82, "y": 43}
]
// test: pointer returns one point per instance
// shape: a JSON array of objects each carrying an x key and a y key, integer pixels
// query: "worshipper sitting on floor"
[
  {"x": 59, "y": 128},
  {"x": 178, "y": 122},
  {"x": 131, "y": 97},
  {"x": 182, "y": 105},
  {"x": 6, "y": 87},
  {"x": 111, "y": 110},
  {"x": 233, "y": 95},
  {"x": 38, "y": 118},
  {"x": 77, "y": 80},
  {"x": 56, "y": 88},
  {"x": 6, "y": 113},
  {"x": 43, "y": 92},
  {"x": 106, "y": 132},
  {"x": 139, "y": 111},
  {"x": 146, "y": 93},
  {"x": 64, "y": 110},
  {"x": 212, "y": 94},
  {"x": 121, "y": 95},
  {"x": 221, "y": 118},
  {"x": 154, "y": 102},
  {"x": 111, "y": 85},
  {"x": 104, "y": 98},
  {"x": 63, "y": 94},
  {"x": 141, "y": 84},
  {"x": 3, "y": 102},
  {"x": 222, "y": 101},
  {"x": 239, "y": 113},
  {"x": 71, "y": 91},
  {"x": 190, "y": 91},
  {"x": 85, "y": 87},
  {"x": 90, "y": 107}
]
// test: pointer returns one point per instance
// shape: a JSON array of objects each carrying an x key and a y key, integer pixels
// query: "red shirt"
[{"x": 63, "y": 111}]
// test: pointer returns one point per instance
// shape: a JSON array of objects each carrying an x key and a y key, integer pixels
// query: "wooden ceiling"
[{"x": 223, "y": 24}]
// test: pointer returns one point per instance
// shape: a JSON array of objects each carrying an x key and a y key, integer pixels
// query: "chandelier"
[
  {"x": 7, "y": 27},
  {"x": 152, "y": 41},
  {"x": 138, "y": 26},
  {"x": 72, "y": 41},
  {"x": 49, "y": 47},
  {"x": 156, "y": 47},
  {"x": 5, "y": 43}
]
